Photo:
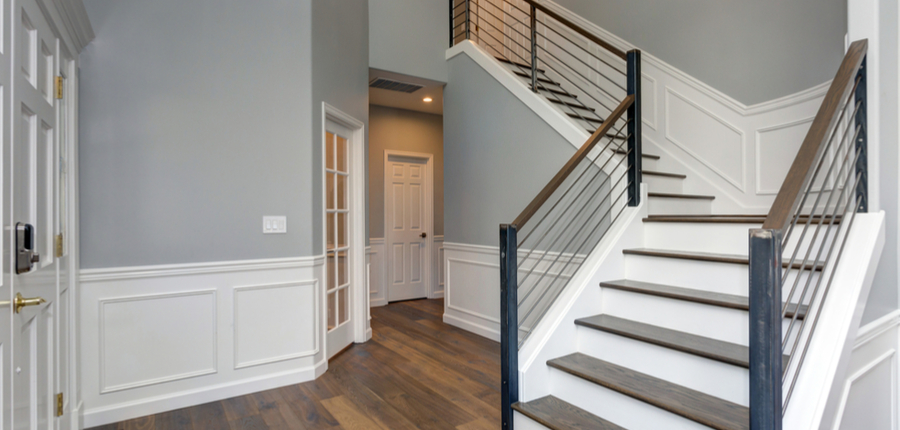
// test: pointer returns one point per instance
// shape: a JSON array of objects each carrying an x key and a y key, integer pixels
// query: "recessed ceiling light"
[{"x": 427, "y": 100}]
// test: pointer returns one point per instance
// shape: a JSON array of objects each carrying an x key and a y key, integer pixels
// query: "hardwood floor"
[{"x": 415, "y": 373}]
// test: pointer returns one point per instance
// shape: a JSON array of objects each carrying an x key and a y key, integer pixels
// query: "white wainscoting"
[
  {"x": 158, "y": 338},
  {"x": 472, "y": 284},
  {"x": 378, "y": 271},
  {"x": 869, "y": 399},
  {"x": 738, "y": 153}
]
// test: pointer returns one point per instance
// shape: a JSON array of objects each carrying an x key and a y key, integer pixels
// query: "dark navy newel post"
[
  {"x": 862, "y": 167},
  {"x": 765, "y": 330},
  {"x": 634, "y": 128},
  {"x": 509, "y": 323}
]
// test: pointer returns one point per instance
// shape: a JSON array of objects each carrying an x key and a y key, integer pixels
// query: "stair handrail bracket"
[{"x": 795, "y": 255}]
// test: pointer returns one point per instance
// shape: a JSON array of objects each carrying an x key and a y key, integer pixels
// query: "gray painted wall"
[
  {"x": 883, "y": 298},
  {"x": 410, "y": 37},
  {"x": 488, "y": 135},
  {"x": 403, "y": 130},
  {"x": 340, "y": 77},
  {"x": 753, "y": 51},
  {"x": 195, "y": 122}
]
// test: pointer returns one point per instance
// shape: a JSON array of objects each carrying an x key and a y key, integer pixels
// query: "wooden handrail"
[
  {"x": 574, "y": 27},
  {"x": 569, "y": 167},
  {"x": 802, "y": 169}
]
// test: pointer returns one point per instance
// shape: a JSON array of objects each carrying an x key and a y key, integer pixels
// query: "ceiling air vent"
[{"x": 387, "y": 84}]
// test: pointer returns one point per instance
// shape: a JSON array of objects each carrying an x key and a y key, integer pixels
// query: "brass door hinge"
[
  {"x": 59, "y": 87},
  {"x": 59, "y": 245},
  {"x": 59, "y": 404}
]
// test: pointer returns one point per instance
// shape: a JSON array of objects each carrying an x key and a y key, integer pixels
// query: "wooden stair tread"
[
  {"x": 713, "y": 349},
  {"x": 681, "y": 196},
  {"x": 703, "y": 256},
  {"x": 594, "y": 120},
  {"x": 691, "y": 404},
  {"x": 644, "y": 155},
  {"x": 730, "y": 219},
  {"x": 730, "y": 301},
  {"x": 544, "y": 80},
  {"x": 664, "y": 174},
  {"x": 573, "y": 105},
  {"x": 556, "y": 414},
  {"x": 562, "y": 93},
  {"x": 513, "y": 63}
]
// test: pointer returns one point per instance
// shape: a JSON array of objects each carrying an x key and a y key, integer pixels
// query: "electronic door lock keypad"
[{"x": 25, "y": 255}]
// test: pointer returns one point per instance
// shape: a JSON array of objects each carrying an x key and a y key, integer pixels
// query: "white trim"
[
  {"x": 139, "y": 272},
  {"x": 746, "y": 110},
  {"x": 104, "y": 389},
  {"x": 859, "y": 374},
  {"x": 359, "y": 304},
  {"x": 757, "y": 144},
  {"x": 76, "y": 22},
  {"x": 874, "y": 329},
  {"x": 429, "y": 218},
  {"x": 742, "y": 185},
  {"x": 552, "y": 116},
  {"x": 152, "y": 405},
  {"x": 481, "y": 330},
  {"x": 316, "y": 320}
]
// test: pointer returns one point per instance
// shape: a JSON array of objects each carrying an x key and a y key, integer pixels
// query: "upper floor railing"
[
  {"x": 599, "y": 87},
  {"x": 794, "y": 255}
]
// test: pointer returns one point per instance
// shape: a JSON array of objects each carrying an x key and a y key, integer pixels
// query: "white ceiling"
[{"x": 411, "y": 101}]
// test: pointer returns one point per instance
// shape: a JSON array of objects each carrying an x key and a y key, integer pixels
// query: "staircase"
[{"x": 695, "y": 334}]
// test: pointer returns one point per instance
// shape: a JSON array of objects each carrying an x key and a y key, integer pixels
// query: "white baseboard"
[
  {"x": 154, "y": 405},
  {"x": 471, "y": 324}
]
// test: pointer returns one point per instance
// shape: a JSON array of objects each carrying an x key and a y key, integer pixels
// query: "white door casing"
[
  {"x": 345, "y": 291},
  {"x": 34, "y": 200},
  {"x": 409, "y": 213}
]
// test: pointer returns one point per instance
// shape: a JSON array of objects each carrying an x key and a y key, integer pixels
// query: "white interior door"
[
  {"x": 338, "y": 246},
  {"x": 34, "y": 201},
  {"x": 6, "y": 294},
  {"x": 407, "y": 193}
]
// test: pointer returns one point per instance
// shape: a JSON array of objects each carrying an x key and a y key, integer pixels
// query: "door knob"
[
  {"x": 423, "y": 235},
  {"x": 20, "y": 302}
]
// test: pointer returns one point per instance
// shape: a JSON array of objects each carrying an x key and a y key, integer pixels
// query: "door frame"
[
  {"x": 359, "y": 302},
  {"x": 429, "y": 218}
]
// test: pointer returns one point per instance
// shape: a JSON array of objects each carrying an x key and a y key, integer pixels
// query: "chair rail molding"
[{"x": 201, "y": 332}]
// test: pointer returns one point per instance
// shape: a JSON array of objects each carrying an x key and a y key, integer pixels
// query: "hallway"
[{"x": 416, "y": 372}]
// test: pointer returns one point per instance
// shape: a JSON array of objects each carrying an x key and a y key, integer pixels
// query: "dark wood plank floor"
[{"x": 415, "y": 373}]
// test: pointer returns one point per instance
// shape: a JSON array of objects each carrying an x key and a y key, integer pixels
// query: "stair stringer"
[
  {"x": 820, "y": 386},
  {"x": 556, "y": 334}
]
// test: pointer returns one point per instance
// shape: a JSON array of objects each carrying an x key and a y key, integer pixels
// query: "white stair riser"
[
  {"x": 731, "y": 325},
  {"x": 663, "y": 184},
  {"x": 723, "y": 238},
  {"x": 715, "y": 378},
  {"x": 701, "y": 275},
  {"x": 674, "y": 206},
  {"x": 524, "y": 423},
  {"x": 615, "y": 407},
  {"x": 649, "y": 164}
]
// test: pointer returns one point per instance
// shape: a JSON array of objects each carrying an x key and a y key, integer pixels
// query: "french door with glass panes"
[{"x": 337, "y": 240}]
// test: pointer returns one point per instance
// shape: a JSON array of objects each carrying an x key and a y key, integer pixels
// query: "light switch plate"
[{"x": 274, "y": 224}]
